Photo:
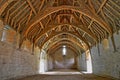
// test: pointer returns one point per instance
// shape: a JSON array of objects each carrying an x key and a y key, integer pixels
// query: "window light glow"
[{"x": 64, "y": 50}]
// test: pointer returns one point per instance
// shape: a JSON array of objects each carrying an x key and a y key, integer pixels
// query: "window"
[{"x": 64, "y": 50}]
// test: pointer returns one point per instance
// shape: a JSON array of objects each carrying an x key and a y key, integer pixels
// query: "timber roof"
[{"x": 82, "y": 23}]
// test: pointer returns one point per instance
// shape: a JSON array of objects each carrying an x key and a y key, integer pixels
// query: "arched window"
[{"x": 64, "y": 50}]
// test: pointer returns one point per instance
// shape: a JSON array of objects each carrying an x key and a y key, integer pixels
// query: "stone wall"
[
  {"x": 105, "y": 61},
  {"x": 1, "y": 29},
  {"x": 82, "y": 65},
  {"x": 16, "y": 63},
  {"x": 67, "y": 61},
  {"x": 50, "y": 63}
]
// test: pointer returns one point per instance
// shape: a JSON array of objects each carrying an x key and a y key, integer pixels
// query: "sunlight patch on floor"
[{"x": 62, "y": 72}]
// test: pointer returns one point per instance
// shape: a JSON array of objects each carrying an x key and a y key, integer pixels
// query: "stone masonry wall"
[
  {"x": 82, "y": 66},
  {"x": 106, "y": 61},
  {"x": 67, "y": 61},
  {"x": 16, "y": 63}
]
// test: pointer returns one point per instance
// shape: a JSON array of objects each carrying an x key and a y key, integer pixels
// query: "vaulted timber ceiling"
[{"x": 80, "y": 22}]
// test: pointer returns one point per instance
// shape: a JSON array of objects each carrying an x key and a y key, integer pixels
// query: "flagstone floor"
[{"x": 64, "y": 74}]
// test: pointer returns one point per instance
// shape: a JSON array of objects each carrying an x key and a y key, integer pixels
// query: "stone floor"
[{"x": 64, "y": 75}]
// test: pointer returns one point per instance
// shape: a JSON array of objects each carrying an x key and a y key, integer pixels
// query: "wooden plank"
[
  {"x": 2, "y": 8},
  {"x": 115, "y": 4},
  {"x": 29, "y": 17},
  {"x": 91, "y": 5},
  {"x": 103, "y": 3},
  {"x": 32, "y": 7},
  {"x": 43, "y": 1},
  {"x": 13, "y": 12}
]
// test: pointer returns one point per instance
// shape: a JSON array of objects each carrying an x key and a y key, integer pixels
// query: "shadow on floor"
[{"x": 64, "y": 74}]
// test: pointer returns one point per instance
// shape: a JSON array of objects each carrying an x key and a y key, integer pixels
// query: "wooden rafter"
[
  {"x": 91, "y": 5},
  {"x": 8, "y": 12},
  {"x": 21, "y": 18},
  {"x": 67, "y": 39},
  {"x": 104, "y": 25},
  {"x": 98, "y": 12},
  {"x": 83, "y": 23},
  {"x": 68, "y": 44},
  {"x": 114, "y": 4},
  {"x": 48, "y": 21},
  {"x": 113, "y": 9},
  {"x": 51, "y": 10},
  {"x": 41, "y": 24},
  {"x": 101, "y": 6},
  {"x": 43, "y": 1},
  {"x": 7, "y": 2},
  {"x": 57, "y": 25},
  {"x": 62, "y": 32},
  {"x": 33, "y": 9},
  {"x": 13, "y": 12},
  {"x": 82, "y": 38},
  {"x": 29, "y": 17},
  {"x": 37, "y": 19}
]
